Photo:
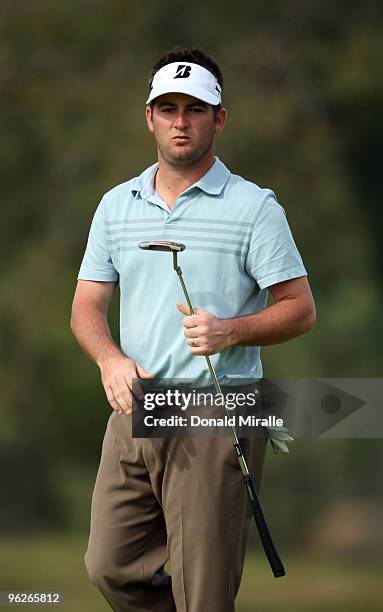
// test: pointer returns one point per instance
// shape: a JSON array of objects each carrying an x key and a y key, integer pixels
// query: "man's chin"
[{"x": 183, "y": 156}]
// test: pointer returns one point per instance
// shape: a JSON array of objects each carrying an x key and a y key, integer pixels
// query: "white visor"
[{"x": 187, "y": 78}]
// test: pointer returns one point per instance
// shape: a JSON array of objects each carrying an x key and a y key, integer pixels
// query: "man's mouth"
[{"x": 180, "y": 138}]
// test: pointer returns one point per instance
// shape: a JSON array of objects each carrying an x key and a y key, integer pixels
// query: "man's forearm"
[
  {"x": 284, "y": 320},
  {"x": 91, "y": 330}
]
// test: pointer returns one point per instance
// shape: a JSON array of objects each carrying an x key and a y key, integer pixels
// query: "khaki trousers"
[{"x": 179, "y": 499}]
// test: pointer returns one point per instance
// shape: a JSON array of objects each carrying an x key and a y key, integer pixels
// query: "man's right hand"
[
  {"x": 90, "y": 327},
  {"x": 117, "y": 375}
]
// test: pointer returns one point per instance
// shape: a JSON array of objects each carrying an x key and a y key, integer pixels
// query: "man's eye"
[
  {"x": 167, "y": 109},
  {"x": 197, "y": 109}
]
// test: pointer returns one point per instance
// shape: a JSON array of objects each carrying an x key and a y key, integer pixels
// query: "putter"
[{"x": 267, "y": 543}]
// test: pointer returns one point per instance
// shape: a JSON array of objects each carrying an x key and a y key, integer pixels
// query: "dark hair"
[{"x": 187, "y": 54}]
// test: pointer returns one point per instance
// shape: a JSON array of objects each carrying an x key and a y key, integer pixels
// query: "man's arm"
[
  {"x": 89, "y": 324},
  {"x": 89, "y": 321},
  {"x": 291, "y": 314}
]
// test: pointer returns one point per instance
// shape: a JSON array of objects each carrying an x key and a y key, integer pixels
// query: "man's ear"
[
  {"x": 149, "y": 118},
  {"x": 220, "y": 120}
]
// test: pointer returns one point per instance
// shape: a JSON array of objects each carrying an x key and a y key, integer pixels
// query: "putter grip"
[{"x": 267, "y": 543}]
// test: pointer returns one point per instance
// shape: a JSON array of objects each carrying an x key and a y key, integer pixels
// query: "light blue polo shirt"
[{"x": 238, "y": 243}]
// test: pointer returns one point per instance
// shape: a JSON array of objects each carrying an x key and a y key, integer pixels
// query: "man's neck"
[{"x": 170, "y": 182}]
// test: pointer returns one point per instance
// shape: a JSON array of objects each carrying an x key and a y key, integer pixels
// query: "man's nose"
[{"x": 181, "y": 121}]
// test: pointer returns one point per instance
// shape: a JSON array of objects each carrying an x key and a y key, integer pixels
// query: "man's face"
[{"x": 184, "y": 128}]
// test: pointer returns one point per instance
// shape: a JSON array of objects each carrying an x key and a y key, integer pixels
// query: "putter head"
[{"x": 162, "y": 245}]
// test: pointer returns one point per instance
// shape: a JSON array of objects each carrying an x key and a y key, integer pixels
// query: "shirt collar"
[
  {"x": 212, "y": 182},
  {"x": 215, "y": 178},
  {"x": 143, "y": 185}
]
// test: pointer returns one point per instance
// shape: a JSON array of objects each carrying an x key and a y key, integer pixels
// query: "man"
[{"x": 181, "y": 499}]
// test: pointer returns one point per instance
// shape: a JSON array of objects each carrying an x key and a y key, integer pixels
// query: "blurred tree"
[{"x": 304, "y": 90}]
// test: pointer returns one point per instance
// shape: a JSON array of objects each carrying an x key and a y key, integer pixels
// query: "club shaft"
[{"x": 260, "y": 521}]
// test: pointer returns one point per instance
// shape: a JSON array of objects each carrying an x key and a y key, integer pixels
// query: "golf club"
[{"x": 268, "y": 545}]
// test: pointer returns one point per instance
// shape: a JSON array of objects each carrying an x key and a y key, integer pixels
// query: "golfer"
[{"x": 172, "y": 499}]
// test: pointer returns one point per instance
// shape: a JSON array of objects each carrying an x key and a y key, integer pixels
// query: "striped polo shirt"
[{"x": 238, "y": 243}]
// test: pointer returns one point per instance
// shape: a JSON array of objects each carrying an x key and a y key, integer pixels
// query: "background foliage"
[{"x": 304, "y": 90}]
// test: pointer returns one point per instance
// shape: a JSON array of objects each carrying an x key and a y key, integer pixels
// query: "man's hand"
[
  {"x": 292, "y": 314},
  {"x": 117, "y": 375},
  {"x": 205, "y": 334}
]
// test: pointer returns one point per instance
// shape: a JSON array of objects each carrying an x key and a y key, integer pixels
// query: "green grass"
[{"x": 55, "y": 563}]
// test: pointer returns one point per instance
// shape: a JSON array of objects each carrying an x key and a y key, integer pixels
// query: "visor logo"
[{"x": 183, "y": 71}]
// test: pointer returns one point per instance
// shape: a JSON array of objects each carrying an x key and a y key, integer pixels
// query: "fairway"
[{"x": 54, "y": 563}]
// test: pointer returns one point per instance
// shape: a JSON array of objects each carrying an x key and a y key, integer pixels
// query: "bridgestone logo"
[{"x": 183, "y": 71}]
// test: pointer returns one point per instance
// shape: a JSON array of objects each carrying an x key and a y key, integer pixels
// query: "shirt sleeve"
[
  {"x": 97, "y": 263},
  {"x": 273, "y": 256}
]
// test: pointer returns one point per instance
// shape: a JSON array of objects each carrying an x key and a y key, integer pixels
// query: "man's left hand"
[{"x": 205, "y": 334}]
